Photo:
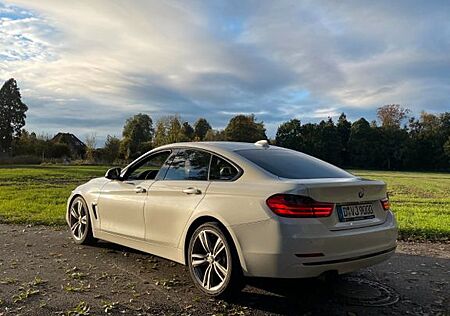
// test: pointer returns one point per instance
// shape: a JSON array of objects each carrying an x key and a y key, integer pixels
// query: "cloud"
[{"x": 84, "y": 63}]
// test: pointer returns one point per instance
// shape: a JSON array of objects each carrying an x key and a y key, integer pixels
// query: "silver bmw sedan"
[{"x": 233, "y": 210}]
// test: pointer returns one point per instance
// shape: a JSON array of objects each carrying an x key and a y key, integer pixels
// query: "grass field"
[
  {"x": 38, "y": 194},
  {"x": 420, "y": 201}
]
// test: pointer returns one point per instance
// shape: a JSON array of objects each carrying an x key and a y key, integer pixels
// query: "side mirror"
[{"x": 113, "y": 173}]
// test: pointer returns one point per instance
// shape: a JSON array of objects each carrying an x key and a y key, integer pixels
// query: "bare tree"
[
  {"x": 392, "y": 115},
  {"x": 91, "y": 142}
]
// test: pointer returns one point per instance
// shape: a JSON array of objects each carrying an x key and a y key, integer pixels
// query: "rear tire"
[
  {"x": 213, "y": 262},
  {"x": 80, "y": 222}
]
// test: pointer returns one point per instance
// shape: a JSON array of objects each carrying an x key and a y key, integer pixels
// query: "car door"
[
  {"x": 172, "y": 199},
  {"x": 121, "y": 203}
]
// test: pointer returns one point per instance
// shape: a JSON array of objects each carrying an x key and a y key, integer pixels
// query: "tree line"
[
  {"x": 420, "y": 144},
  {"x": 141, "y": 135},
  {"x": 397, "y": 141}
]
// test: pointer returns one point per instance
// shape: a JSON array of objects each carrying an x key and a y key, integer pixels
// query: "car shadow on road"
[
  {"x": 106, "y": 245},
  {"x": 282, "y": 296},
  {"x": 266, "y": 294}
]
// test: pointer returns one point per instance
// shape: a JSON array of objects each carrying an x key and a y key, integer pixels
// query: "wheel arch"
[
  {"x": 228, "y": 233},
  {"x": 74, "y": 196}
]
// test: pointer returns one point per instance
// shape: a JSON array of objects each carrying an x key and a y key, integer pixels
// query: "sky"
[{"x": 86, "y": 66}]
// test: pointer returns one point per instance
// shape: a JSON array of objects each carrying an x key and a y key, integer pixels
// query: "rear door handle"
[
  {"x": 140, "y": 190},
  {"x": 192, "y": 191}
]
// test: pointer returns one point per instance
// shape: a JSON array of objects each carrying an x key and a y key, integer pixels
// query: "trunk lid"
[{"x": 357, "y": 201}]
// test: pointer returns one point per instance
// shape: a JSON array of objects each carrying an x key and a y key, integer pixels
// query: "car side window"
[
  {"x": 148, "y": 168},
  {"x": 222, "y": 169},
  {"x": 189, "y": 165}
]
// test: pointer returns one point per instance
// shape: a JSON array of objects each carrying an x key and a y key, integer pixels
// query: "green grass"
[
  {"x": 38, "y": 195},
  {"x": 420, "y": 200}
]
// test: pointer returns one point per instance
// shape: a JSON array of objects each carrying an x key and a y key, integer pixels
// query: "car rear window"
[
  {"x": 291, "y": 164},
  {"x": 221, "y": 169}
]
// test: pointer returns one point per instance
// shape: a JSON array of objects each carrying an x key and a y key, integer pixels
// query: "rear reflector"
[
  {"x": 290, "y": 205},
  {"x": 385, "y": 204}
]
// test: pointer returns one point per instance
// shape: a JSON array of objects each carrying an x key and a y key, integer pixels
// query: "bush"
[
  {"x": 21, "y": 160},
  {"x": 58, "y": 151}
]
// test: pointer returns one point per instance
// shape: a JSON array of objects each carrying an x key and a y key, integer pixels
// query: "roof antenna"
[{"x": 262, "y": 143}]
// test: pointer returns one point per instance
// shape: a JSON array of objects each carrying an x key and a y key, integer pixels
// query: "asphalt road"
[{"x": 42, "y": 272}]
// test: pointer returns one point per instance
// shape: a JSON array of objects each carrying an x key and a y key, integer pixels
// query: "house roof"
[{"x": 69, "y": 139}]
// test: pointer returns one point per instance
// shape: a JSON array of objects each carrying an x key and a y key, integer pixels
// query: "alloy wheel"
[
  {"x": 209, "y": 259},
  {"x": 78, "y": 220}
]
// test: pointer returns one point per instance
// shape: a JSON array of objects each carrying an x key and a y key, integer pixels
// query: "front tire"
[
  {"x": 213, "y": 262},
  {"x": 80, "y": 222}
]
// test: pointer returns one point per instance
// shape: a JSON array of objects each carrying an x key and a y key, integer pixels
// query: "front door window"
[{"x": 148, "y": 168}]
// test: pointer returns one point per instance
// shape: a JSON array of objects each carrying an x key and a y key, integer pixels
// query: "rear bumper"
[{"x": 300, "y": 249}]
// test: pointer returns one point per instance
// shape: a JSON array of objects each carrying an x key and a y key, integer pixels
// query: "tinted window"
[
  {"x": 189, "y": 165},
  {"x": 148, "y": 168},
  {"x": 222, "y": 169},
  {"x": 292, "y": 164}
]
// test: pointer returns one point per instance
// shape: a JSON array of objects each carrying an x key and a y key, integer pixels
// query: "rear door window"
[
  {"x": 290, "y": 164},
  {"x": 189, "y": 165}
]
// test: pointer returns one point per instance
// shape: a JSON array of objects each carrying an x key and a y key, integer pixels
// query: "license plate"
[{"x": 355, "y": 212}]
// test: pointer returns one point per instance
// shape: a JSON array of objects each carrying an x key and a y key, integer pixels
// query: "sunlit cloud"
[{"x": 85, "y": 65}]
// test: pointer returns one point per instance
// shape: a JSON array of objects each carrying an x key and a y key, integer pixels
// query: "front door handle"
[
  {"x": 192, "y": 191},
  {"x": 140, "y": 190}
]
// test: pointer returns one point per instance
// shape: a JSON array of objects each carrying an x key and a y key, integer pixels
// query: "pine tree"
[
  {"x": 187, "y": 131},
  {"x": 344, "y": 128},
  {"x": 12, "y": 114},
  {"x": 289, "y": 135},
  {"x": 201, "y": 127}
]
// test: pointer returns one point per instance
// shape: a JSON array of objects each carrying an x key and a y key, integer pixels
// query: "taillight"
[
  {"x": 385, "y": 204},
  {"x": 290, "y": 205}
]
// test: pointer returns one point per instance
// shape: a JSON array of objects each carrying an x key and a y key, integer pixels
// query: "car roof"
[
  {"x": 221, "y": 145},
  {"x": 228, "y": 150}
]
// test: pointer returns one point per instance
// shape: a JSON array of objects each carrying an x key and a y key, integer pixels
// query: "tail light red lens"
[
  {"x": 290, "y": 205},
  {"x": 385, "y": 204}
]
